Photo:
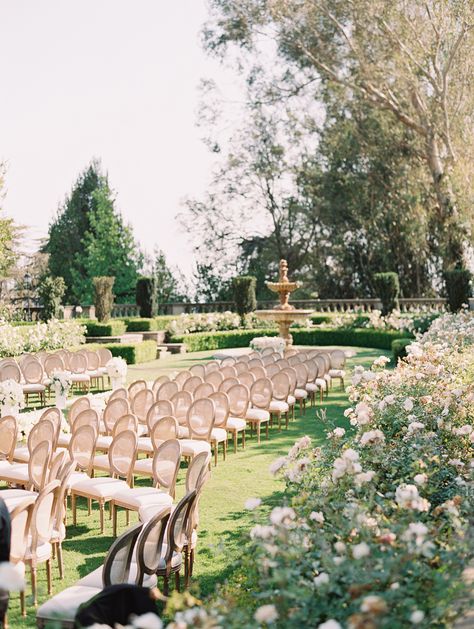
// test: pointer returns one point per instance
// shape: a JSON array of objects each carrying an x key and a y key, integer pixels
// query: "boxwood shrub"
[
  {"x": 132, "y": 352},
  {"x": 399, "y": 348},
  {"x": 141, "y": 324},
  {"x": 114, "y": 327},
  {"x": 379, "y": 339}
]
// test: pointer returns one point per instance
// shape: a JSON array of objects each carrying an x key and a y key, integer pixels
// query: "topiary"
[
  {"x": 51, "y": 291},
  {"x": 146, "y": 297},
  {"x": 244, "y": 294},
  {"x": 103, "y": 297},
  {"x": 388, "y": 289},
  {"x": 458, "y": 288}
]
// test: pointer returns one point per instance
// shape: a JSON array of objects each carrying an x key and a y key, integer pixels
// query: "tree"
[
  {"x": 169, "y": 282},
  {"x": 412, "y": 59},
  {"x": 51, "y": 291},
  {"x": 83, "y": 235},
  {"x": 9, "y": 234},
  {"x": 210, "y": 285},
  {"x": 244, "y": 295},
  {"x": 146, "y": 296},
  {"x": 103, "y": 297}
]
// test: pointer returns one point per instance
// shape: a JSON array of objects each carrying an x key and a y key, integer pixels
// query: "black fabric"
[
  {"x": 5, "y": 532},
  {"x": 115, "y": 604},
  {"x": 5, "y": 540}
]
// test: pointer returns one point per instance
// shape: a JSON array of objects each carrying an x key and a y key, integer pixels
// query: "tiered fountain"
[{"x": 284, "y": 314}]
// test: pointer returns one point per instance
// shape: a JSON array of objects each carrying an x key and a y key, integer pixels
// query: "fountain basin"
[{"x": 284, "y": 318}]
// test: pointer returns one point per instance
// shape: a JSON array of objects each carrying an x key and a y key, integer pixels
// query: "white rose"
[{"x": 266, "y": 613}]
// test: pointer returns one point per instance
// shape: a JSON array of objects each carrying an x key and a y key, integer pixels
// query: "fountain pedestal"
[{"x": 284, "y": 314}]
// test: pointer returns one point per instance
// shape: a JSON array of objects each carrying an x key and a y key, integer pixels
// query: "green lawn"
[{"x": 224, "y": 520}]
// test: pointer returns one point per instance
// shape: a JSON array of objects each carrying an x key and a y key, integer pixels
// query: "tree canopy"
[{"x": 88, "y": 238}]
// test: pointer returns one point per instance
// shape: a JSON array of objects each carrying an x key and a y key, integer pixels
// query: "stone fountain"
[{"x": 284, "y": 314}]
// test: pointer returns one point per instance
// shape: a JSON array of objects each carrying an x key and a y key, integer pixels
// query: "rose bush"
[
  {"x": 40, "y": 337},
  {"x": 375, "y": 528}
]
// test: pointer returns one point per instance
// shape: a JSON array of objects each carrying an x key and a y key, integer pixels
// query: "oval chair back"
[
  {"x": 221, "y": 406},
  {"x": 192, "y": 384},
  {"x": 158, "y": 382},
  {"x": 104, "y": 356},
  {"x": 135, "y": 387},
  {"x": 241, "y": 367},
  {"x": 167, "y": 390},
  {"x": 227, "y": 361},
  {"x": 281, "y": 386},
  {"x": 114, "y": 410},
  {"x": 20, "y": 518},
  {"x": 10, "y": 371},
  {"x": 82, "y": 447},
  {"x": 88, "y": 417},
  {"x": 117, "y": 564},
  {"x": 261, "y": 393},
  {"x": 196, "y": 469},
  {"x": 81, "y": 404},
  {"x": 338, "y": 359},
  {"x": 181, "y": 378},
  {"x": 165, "y": 428},
  {"x": 8, "y": 437},
  {"x": 77, "y": 362},
  {"x": 291, "y": 373},
  {"x": 272, "y": 370},
  {"x": 246, "y": 378},
  {"x": 301, "y": 375},
  {"x": 198, "y": 370},
  {"x": 44, "y": 430},
  {"x": 239, "y": 397},
  {"x": 33, "y": 372},
  {"x": 126, "y": 422},
  {"x": 228, "y": 371},
  {"x": 42, "y": 517},
  {"x": 122, "y": 454},
  {"x": 205, "y": 389},
  {"x": 259, "y": 372},
  {"x": 162, "y": 408},
  {"x": 215, "y": 378},
  {"x": 38, "y": 465},
  {"x": 141, "y": 404},
  {"x": 228, "y": 383},
  {"x": 54, "y": 415},
  {"x": 149, "y": 546},
  {"x": 52, "y": 363},
  {"x": 121, "y": 392},
  {"x": 181, "y": 402},
  {"x": 166, "y": 462},
  {"x": 211, "y": 366},
  {"x": 200, "y": 419}
]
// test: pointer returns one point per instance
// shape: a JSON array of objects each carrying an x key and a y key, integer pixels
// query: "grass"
[{"x": 224, "y": 522}]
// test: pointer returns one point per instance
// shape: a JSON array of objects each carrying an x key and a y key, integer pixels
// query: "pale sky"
[{"x": 113, "y": 79}]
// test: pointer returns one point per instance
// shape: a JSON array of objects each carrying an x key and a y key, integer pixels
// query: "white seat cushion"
[
  {"x": 103, "y": 442},
  {"x": 64, "y": 439},
  {"x": 141, "y": 497},
  {"x": 219, "y": 434},
  {"x": 143, "y": 466},
  {"x": 21, "y": 454},
  {"x": 327, "y": 377},
  {"x": 236, "y": 423},
  {"x": 94, "y": 578},
  {"x": 322, "y": 383},
  {"x": 75, "y": 478},
  {"x": 33, "y": 388},
  {"x": 43, "y": 551},
  {"x": 337, "y": 373},
  {"x": 257, "y": 415},
  {"x": 14, "y": 472},
  {"x": 176, "y": 560},
  {"x": 291, "y": 400},
  {"x": 100, "y": 487},
  {"x": 80, "y": 377},
  {"x": 65, "y": 604},
  {"x": 278, "y": 406},
  {"x": 183, "y": 432},
  {"x": 192, "y": 447},
  {"x": 147, "y": 512},
  {"x": 311, "y": 387},
  {"x": 144, "y": 444},
  {"x": 101, "y": 462},
  {"x": 301, "y": 394}
]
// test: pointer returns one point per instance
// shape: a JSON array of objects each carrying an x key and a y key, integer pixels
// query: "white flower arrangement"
[
  {"x": 117, "y": 368},
  {"x": 11, "y": 394},
  {"x": 54, "y": 334},
  {"x": 62, "y": 381},
  {"x": 259, "y": 343}
]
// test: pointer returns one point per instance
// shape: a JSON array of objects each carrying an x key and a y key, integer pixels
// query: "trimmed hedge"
[
  {"x": 319, "y": 319},
  {"x": 141, "y": 325},
  {"x": 114, "y": 327},
  {"x": 200, "y": 341},
  {"x": 378, "y": 339},
  {"x": 399, "y": 348},
  {"x": 132, "y": 352}
]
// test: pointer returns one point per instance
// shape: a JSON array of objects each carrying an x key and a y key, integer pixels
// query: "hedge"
[
  {"x": 114, "y": 327},
  {"x": 399, "y": 348},
  {"x": 141, "y": 325},
  {"x": 132, "y": 352},
  {"x": 319, "y": 319},
  {"x": 200, "y": 341}
]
